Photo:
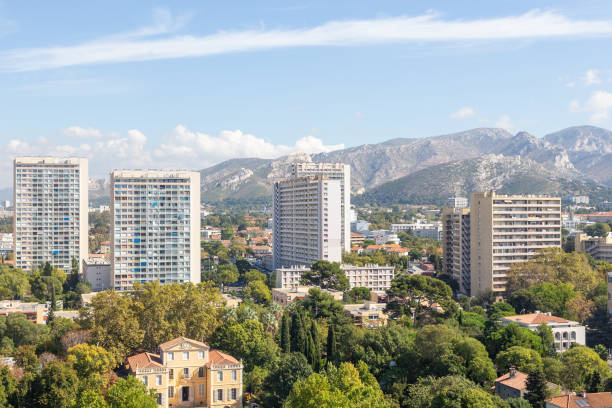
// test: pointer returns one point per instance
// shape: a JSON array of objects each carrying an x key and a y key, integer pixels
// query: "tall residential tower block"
[
  {"x": 155, "y": 227},
  {"x": 456, "y": 246},
  {"x": 51, "y": 202}
]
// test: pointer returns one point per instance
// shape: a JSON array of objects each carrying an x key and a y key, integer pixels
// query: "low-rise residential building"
[
  {"x": 360, "y": 226},
  {"x": 581, "y": 400},
  {"x": 599, "y": 217},
  {"x": 260, "y": 250},
  {"x": 511, "y": 385},
  {"x": 600, "y": 248},
  {"x": 368, "y": 314},
  {"x": 105, "y": 247},
  {"x": 209, "y": 233},
  {"x": 373, "y": 277},
  {"x": 187, "y": 373},
  {"x": 6, "y": 243},
  {"x": 97, "y": 271},
  {"x": 565, "y": 332},
  {"x": 34, "y": 312},
  {"x": 285, "y": 296},
  {"x": 357, "y": 239}
]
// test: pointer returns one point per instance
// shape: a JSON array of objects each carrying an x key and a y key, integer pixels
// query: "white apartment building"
[
  {"x": 506, "y": 229},
  {"x": 50, "y": 219},
  {"x": 457, "y": 202},
  {"x": 6, "y": 243},
  {"x": 307, "y": 221},
  {"x": 374, "y": 277},
  {"x": 155, "y": 227},
  {"x": 456, "y": 246},
  {"x": 97, "y": 271},
  {"x": 565, "y": 332},
  {"x": 335, "y": 171}
]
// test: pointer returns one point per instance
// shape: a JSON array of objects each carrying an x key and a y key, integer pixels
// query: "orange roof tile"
[
  {"x": 219, "y": 358},
  {"x": 144, "y": 360},
  {"x": 518, "y": 381},
  {"x": 594, "y": 400},
  {"x": 535, "y": 318}
]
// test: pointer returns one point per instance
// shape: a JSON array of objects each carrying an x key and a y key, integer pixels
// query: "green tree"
[
  {"x": 25, "y": 357},
  {"x": 226, "y": 274},
  {"x": 548, "y": 341},
  {"x": 55, "y": 386},
  {"x": 322, "y": 305},
  {"x": 90, "y": 399},
  {"x": 602, "y": 351},
  {"x": 518, "y": 403},
  {"x": 332, "y": 349},
  {"x": 357, "y": 295},
  {"x": 130, "y": 393},
  {"x": 513, "y": 335},
  {"x": 599, "y": 229},
  {"x": 292, "y": 367},
  {"x": 499, "y": 310},
  {"x": 553, "y": 369},
  {"x": 8, "y": 386},
  {"x": 285, "y": 334},
  {"x": 14, "y": 283},
  {"x": 315, "y": 346},
  {"x": 449, "y": 392},
  {"x": 536, "y": 389},
  {"x": 416, "y": 291},
  {"x": 298, "y": 333},
  {"x": 20, "y": 330},
  {"x": 326, "y": 275},
  {"x": 258, "y": 291},
  {"x": 524, "y": 359},
  {"x": 254, "y": 275},
  {"x": 594, "y": 382},
  {"x": 91, "y": 364},
  {"x": 580, "y": 362}
]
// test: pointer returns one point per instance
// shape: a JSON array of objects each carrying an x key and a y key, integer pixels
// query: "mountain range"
[{"x": 575, "y": 160}]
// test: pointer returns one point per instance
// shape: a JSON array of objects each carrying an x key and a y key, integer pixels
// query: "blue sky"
[{"x": 192, "y": 83}]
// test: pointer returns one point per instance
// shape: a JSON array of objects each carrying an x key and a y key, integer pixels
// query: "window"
[
  {"x": 234, "y": 394},
  {"x": 185, "y": 372},
  {"x": 219, "y": 395},
  {"x": 201, "y": 372},
  {"x": 170, "y": 356},
  {"x": 234, "y": 375},
  {"x": 159, "y": 398},
  {"x": 158, "y": 380},
  {"x": 185, "y": 355},
  {"x": 145, "y": 380},
  {"x": 219, "y": 375},
  {"x": 201, "y": 390},
  {"x": 171, "y": 374},
  {"x": 200, "y": 355},
  {"x": 170, "y": 392}
]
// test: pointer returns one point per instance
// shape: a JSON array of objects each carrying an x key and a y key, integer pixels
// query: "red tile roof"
[
  {"x": 518, "y": 381},
  {"x": 144, "y": 360},
  {"x": 219, "y": 358},
  {"x": 593, "y": 400},
  {"x": 536, "y": 318}
]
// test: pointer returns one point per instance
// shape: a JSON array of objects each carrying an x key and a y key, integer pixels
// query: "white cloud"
[
  {"x": 182, "y": 148},
  {"x": 591, "y": 77},
  {"x": 599, "y": 105},
  {"x": 430, "y": 27},
  {"x": 81, "y": 133},
  {"x": 504, "y": 122},
  {"x": 463, "y": 113}
]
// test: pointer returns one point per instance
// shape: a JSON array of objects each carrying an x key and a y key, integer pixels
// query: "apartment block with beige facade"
[
  {"x": 600, "y": 248},
  {"x": 372, "y": 276},
  {"x": 187, "y": 373},
  {"x": 51, "y": 203},
  {"x": 307, "y": 220},
  {"x": 155, "y": 227},
  {"x": 335, "y": 171},
  {"x": 506, "y": 229},
  {"x": 456, "y": 246}
]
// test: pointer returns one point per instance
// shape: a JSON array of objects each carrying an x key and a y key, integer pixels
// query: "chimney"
[
  {"x": 582, "y": 393},
  {"x": 512, "y": 372}
]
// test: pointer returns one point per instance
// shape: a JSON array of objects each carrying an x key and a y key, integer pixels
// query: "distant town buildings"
[
  {"x": 580, "y": 200},
  {"x": 368, "y": 314},
  {"x": 307, "y": 220},
  {"x": 7, "y": 241},
  {"x": 155, "y": 227},
  {"x": 357, "y": 239},
  {"x": 457, "y": 202},
  {"x": 600, "y": 248},
  {"x": 97, "y": 271},
  {"x": 505, "y": 229},
  {"x": 456, "y": 246},
  {"x": 334, "y": 171},
  {"x": 188, "y": 373},
  {"x": 565, "y": 332},
  {"x": 373, "y": 277},
  {"x": 285, "y": 296},
  {"x": 51, "y": 219},
  {"x": 34, "y": 312}
]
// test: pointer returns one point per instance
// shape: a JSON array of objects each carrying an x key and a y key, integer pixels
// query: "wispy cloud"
[
  {"x": 464, "y": 112},
  {"x": 591, "y": 77},
  {"x": 430, "y": 27},
  {"x": 504, "y": 122},
  {"x": 599, "y": 105}
]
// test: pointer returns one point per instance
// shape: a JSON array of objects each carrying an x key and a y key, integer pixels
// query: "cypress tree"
[
  {"x": 298, "y": 334},
  {"x": 310, "y": 349},
  {"x": 331, "y": 345},
  {"x": 316, "y": 340},
  {"x": 536, "y": 389},
  {"x": 53, "y": 308},
  {"x": 594, "y": 382},
  {"x": 285, "y": 339}
]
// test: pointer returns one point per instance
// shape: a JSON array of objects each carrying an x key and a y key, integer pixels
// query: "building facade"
[
  {"x": 334, "y": 171},
  {"x": 374, "y": 277},
  {"x": 565, "y": 332},
  {"x": 506, "y": 229},
  {"x": 97, "y": 271},
  {"x": 457, "y": 202},
  {"x": 600, "y": 248},
  {"x": 187, "y": 373},
  {"x": 456, "y": 246},
  {"x": 51, "y": 220},
  {"x": 307, "y": 221},
  {"x": 368, "y": 314},
  {"x": 155, "y": 227}
]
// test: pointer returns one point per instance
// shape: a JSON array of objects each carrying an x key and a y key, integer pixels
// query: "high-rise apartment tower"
[
  {"x": 50, "y": 196},
  {"x": 155, "y": 227},
  {"x": 456, "y": 246}
]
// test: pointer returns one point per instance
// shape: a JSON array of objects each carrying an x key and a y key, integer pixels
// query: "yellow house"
[{"x": 187, "y": 373}]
